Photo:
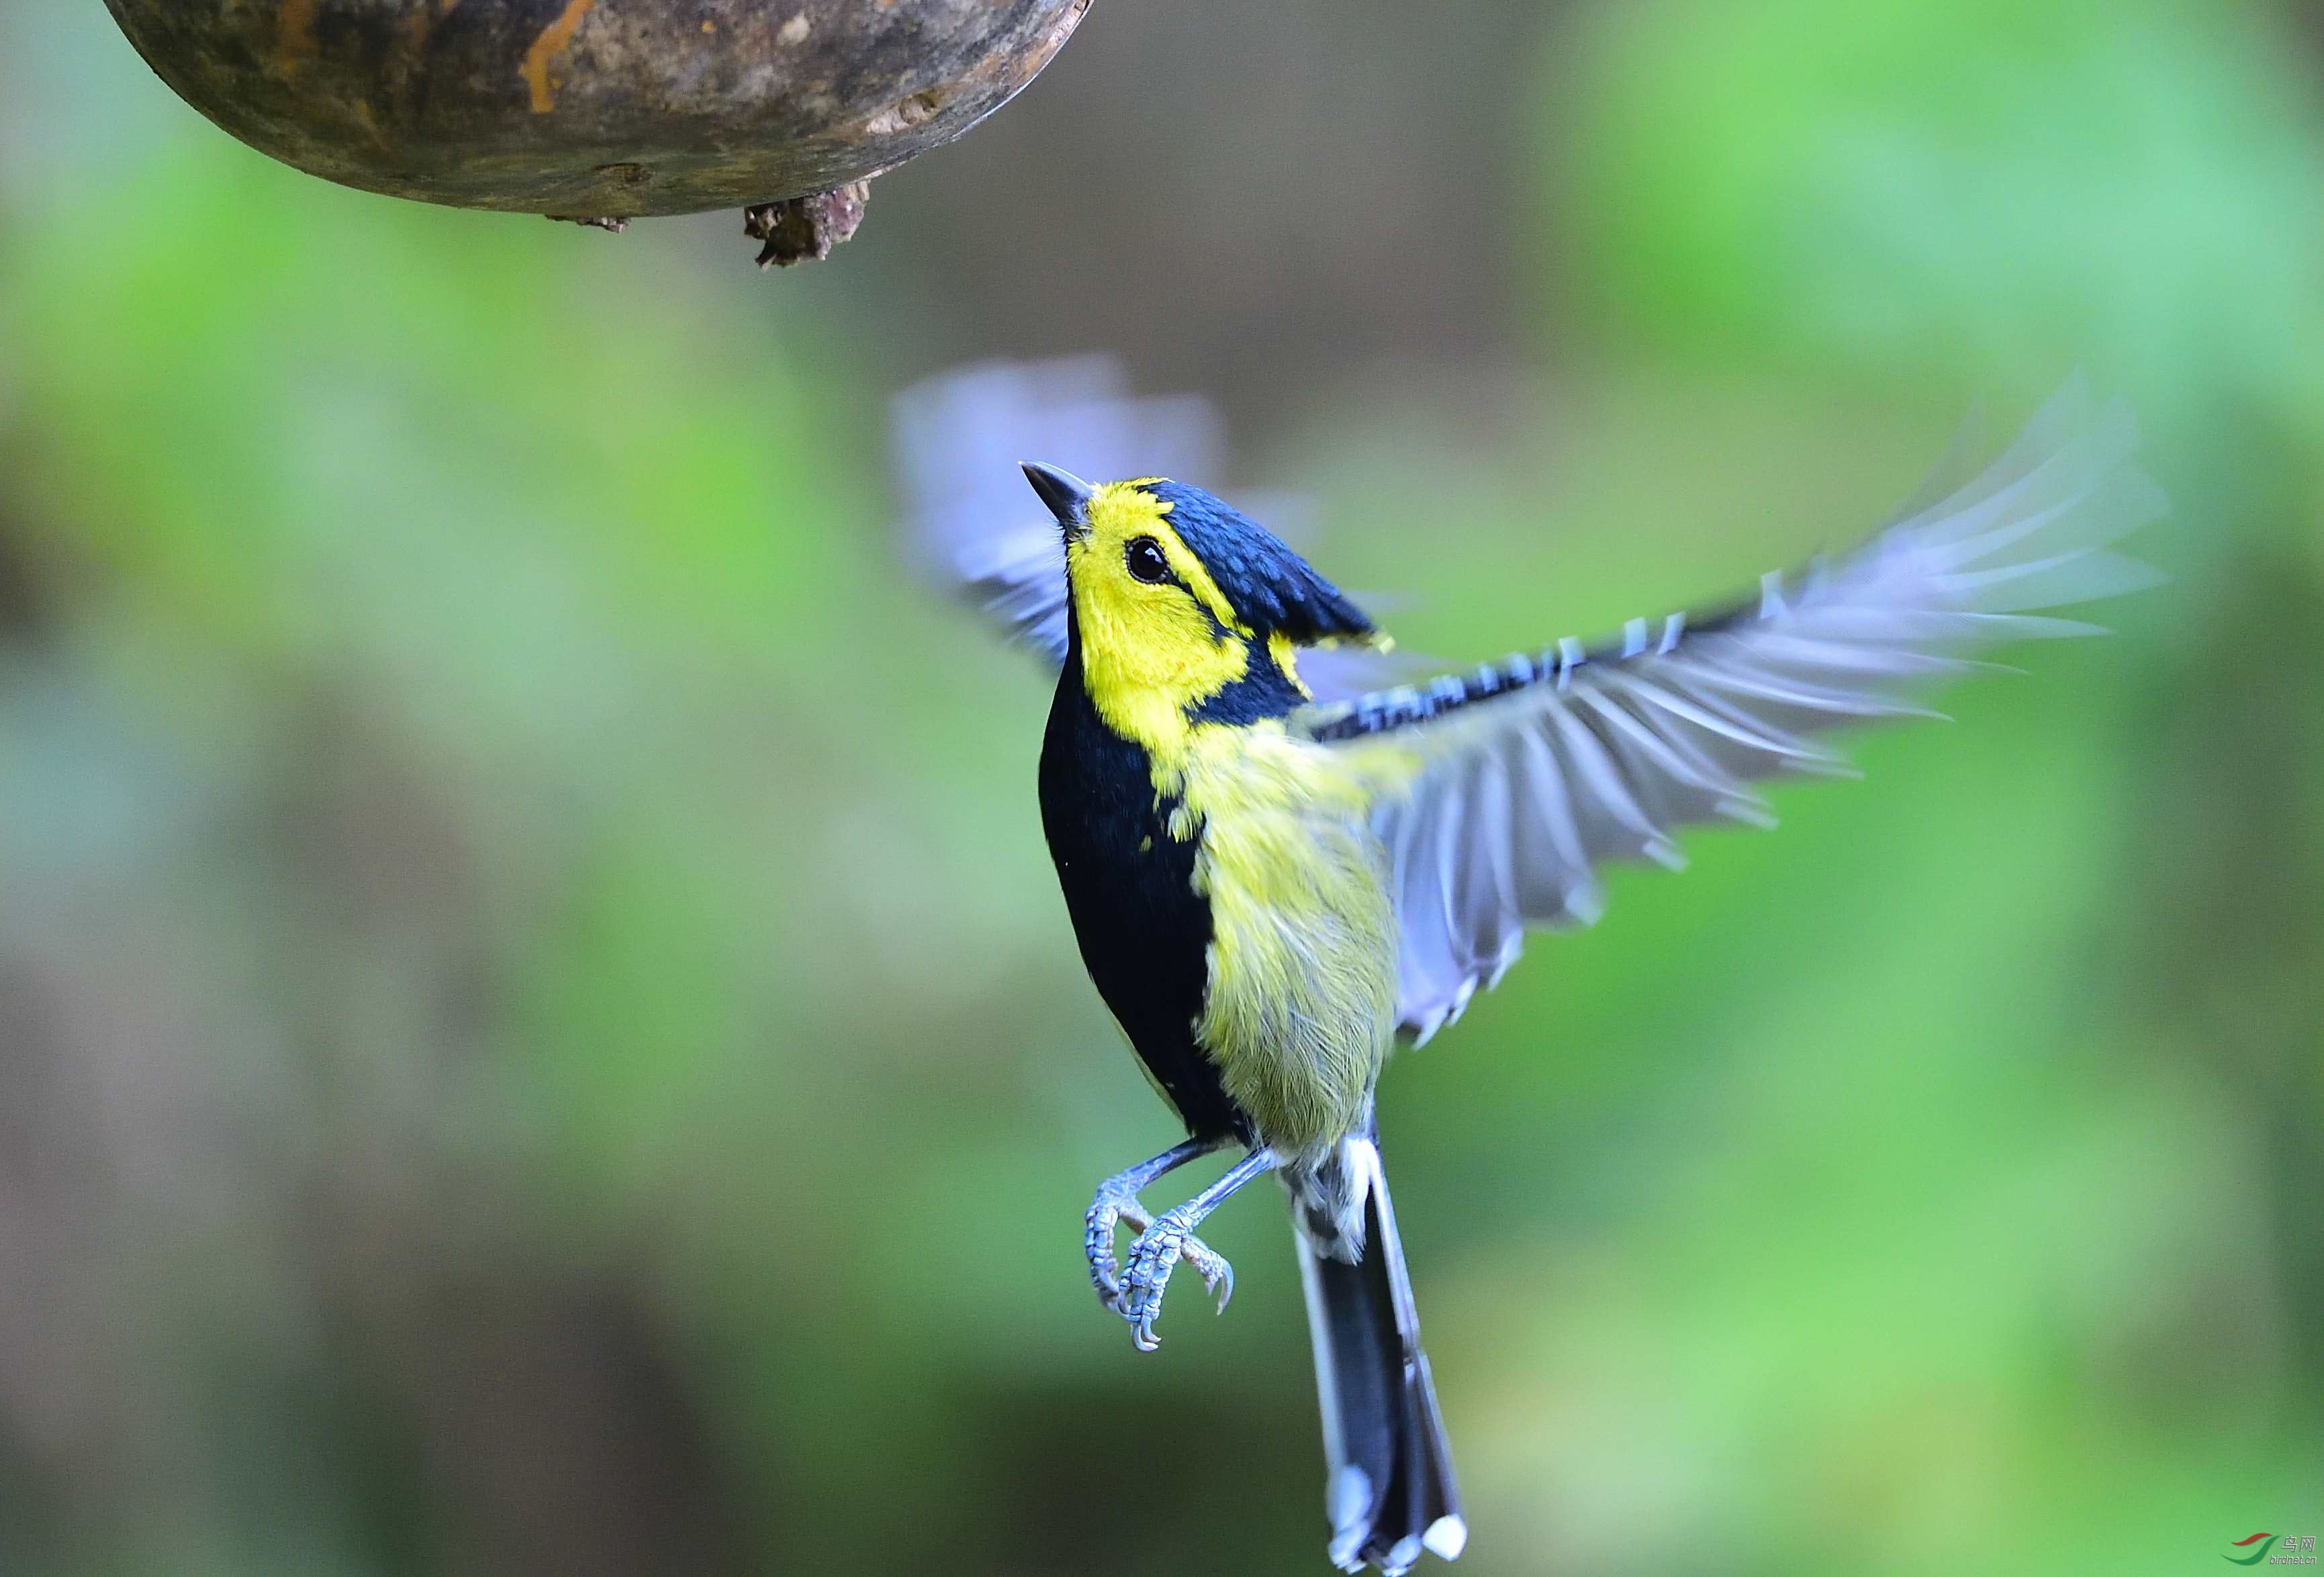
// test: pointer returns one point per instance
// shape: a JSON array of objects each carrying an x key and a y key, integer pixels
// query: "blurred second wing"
[{"x": 960, "y": 437}]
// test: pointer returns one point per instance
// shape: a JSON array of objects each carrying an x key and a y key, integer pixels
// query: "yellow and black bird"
[{"x": 1273, "y": 870}]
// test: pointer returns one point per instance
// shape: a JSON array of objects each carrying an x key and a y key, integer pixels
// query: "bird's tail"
[{"x": 1390, "y": 1492}]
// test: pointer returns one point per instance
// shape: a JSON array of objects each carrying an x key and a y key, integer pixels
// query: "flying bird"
[{"x": 1280, "y": 861}]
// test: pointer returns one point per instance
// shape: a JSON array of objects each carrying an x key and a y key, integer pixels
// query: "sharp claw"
[
  {"x": 1141, "y": 1335},
  {"x": 1217, "y": 1274}
]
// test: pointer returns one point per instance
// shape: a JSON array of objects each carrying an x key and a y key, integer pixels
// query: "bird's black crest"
[{"x": 1272, "y": 588}]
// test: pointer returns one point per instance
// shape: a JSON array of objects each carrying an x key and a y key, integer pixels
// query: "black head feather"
[{"x": 1272, "y": 589}]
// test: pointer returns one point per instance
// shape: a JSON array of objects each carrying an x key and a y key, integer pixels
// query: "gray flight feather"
[{"x": 1538, "y": 771}]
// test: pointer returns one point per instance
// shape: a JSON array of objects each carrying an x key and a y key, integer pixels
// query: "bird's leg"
[
  {"x": 1117, "y": 1201},
  {"x": 1171, "y": 1238}
]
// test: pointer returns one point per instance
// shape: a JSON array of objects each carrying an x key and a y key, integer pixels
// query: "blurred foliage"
[{"x": 535, "y": 1031}]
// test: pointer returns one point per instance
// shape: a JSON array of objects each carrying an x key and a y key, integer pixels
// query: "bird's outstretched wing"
[
  {"x": 960, "y": 437},
  {"x": 1528, "y": 774}
]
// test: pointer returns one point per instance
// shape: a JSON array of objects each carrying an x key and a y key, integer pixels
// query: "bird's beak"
[{"x": 1066, "y": 494}]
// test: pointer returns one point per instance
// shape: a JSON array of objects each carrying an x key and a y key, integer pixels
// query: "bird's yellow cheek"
[{"x": 1148, "y": 654}]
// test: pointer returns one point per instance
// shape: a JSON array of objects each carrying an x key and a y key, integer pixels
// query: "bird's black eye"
[{"x": 1144, "y": 556}]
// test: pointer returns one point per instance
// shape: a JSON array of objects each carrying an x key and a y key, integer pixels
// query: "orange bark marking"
[
  {"x": 294, "y": 36},
  {"x": 554, "y": 41}
]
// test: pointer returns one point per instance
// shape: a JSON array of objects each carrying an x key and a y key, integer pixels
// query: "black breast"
[{"x": 1129, "y": 885}]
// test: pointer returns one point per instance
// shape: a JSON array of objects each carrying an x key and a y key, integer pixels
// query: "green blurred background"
[{"x": 535, "y": 1031}]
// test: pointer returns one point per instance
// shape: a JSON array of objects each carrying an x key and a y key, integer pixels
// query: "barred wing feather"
[{"x": 1534, "y": 773}]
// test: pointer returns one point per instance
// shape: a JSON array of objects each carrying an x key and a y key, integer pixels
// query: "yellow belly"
[{"x": 1300, "y": 1006}]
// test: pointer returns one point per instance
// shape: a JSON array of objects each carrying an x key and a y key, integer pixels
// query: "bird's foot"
[
  {"x": 1115, "y": 1203},
  {"x": 1160, "y": 1248}
]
